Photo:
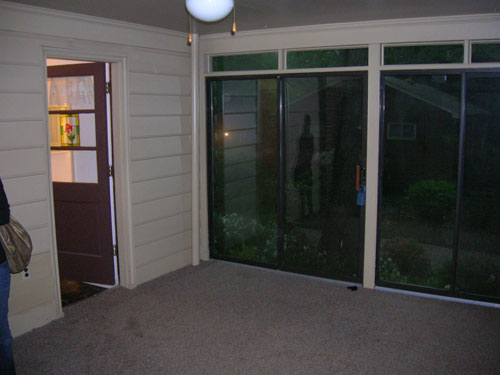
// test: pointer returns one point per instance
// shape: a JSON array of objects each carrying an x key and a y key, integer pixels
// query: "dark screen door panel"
[{"x": 82, "y": 204}]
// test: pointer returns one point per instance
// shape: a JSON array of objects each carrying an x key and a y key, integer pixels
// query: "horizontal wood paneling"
[
  {"x": 41, "y": 239},
  {"x": 152, "y": 105},
  {"x": 22, "y": 190},
  {"x": 142, "y": 83},
  {"x": 160, "y": 188},
  {"x": 39, "y": 289},
  {"x": 18, "y": 107},
  {"x": 159, "y": 147},
  {"x": 32, "y": 214},
  {"x": 159, "y": 106},
  {"x": 163, "y": 248},
  {"x": 162, "y": 228},
  {"x": 24, "y": 134},
  {"x": 149, "y": 62},
  {"x": 162, "y": 167},
  {"x": 23, "y": 162},
  {"x": 78, "y": 27},
  {"x": 32, "y": 78},
  {"x": 160, "y": 126},
  {"x": 163, "y": 265},
  {"x": 160, "y": 208},
  {"x": 20, "y": 51}
]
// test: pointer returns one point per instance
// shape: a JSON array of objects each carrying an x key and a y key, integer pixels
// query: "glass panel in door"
[
  {"x": 419, "y": 165},
  {"x": 245, "y": 169},
  {"x": 478, "y": 268},
  {"x": 325, "y": 121}
]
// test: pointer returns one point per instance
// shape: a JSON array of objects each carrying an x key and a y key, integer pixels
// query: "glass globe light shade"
[{"x": 209, "y": 10}]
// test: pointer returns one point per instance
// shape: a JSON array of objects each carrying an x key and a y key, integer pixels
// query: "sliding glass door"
[
  {"x": 286, "y": 163},
  {"x": 325, "y": 127},
  {"x": 245, "y": 169},
  {"x": 440, "y": 184},
  {"x": 478, "y": 258}
]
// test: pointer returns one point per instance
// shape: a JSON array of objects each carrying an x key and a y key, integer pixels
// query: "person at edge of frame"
[{"x": 6, "y": 354}]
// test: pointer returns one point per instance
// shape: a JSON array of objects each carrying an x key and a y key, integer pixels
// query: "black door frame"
[{"x": 281, "y": 108}]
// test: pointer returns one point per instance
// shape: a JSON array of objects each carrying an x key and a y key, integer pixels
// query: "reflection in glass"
[
  {"x": 424, "y": 54},
  {"x": 478, "y": 270},
  {"x": 245, "y": 169},
  {"x": 327, "y": 58},
  {"x": 485, "y": 52},
  {"x": 70, "y": 93},
  {"x": 252, "y": 61},
  {"x": 74, "y": 166},
  {"x": 324, "y": 122},
  {"x": 420, "y": 163}
]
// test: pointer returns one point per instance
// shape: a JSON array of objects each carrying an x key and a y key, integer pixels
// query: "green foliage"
[
  {"x": 327, "y": 58},
  {"x": 389, "y": 271},
  {"x": 253, "y": 61},
  {"x": 246, "y": 238},
  {"x": 432, "y": 200},
  {"x": 404, "y": 260},
  {"x": 428, "y": 54},
  {"x": 485, "y": 52}
]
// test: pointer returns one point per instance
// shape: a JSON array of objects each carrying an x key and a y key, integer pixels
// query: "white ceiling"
[{"x": 266, "y": 14}]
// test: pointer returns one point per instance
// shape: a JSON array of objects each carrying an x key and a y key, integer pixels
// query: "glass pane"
[
  {"x": 245, "y": 169},
  {"x": 433, "y": 54},
  {"x": 74, "y": 166},
  {"x": 84, "y": 133},
  {"x": 325, "y": 121},
  {"x": 69, "y": 93},
  {"x": 255, "y": 61},
  {"x": 485, "y": 52},
  {"x": 327, "y": 58},
  {"x": 55, "y": 130},
  {"x": 87, "y": 130},
  {"x": 419, "y": 179},
  {"x": 479, "y": 236}
]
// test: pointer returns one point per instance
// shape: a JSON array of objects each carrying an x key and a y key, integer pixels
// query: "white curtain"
[{"x": 71, "y": 93}]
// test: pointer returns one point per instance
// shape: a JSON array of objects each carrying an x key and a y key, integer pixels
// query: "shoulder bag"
[{"x": 17, "y": 245}]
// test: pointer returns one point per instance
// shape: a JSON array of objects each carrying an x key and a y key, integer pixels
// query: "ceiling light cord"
[
  {"x": 233, "y": 30},
  {"x": 190, "y": 36}
]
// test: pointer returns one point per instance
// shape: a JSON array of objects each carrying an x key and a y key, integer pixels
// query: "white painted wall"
[
  {"x": 371, "y": 34},
  {"x": 152, "y": 138}
]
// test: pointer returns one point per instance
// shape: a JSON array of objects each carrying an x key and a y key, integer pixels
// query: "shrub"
[
  {"x": 408, "y": 258},
  {"x": 246, "y": 237},
  {"x": 432, "y": 200},
  {"x": 389, "y": 270}
]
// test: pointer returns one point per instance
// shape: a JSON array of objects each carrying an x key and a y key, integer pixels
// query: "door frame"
[
  {"x": 119, "y": 139},
  {"x": 282, "y": 160}
]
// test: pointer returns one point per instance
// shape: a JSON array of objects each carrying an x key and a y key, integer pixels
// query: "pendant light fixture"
[{"x": 209, "y": 10}]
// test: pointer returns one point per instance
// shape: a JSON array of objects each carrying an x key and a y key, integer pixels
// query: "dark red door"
[{"x": 80, "y": 172}]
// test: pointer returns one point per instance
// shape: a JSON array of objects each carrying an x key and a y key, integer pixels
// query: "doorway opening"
[{"x": 79, "y": 107}]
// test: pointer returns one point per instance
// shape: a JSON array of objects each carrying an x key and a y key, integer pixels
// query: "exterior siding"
[{"x": 157, "y": 75}]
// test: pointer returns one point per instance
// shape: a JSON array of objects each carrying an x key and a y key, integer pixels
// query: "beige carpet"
[{"x": 222, "y": 318}]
